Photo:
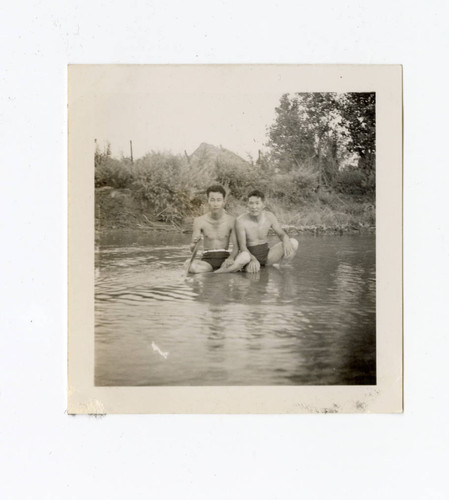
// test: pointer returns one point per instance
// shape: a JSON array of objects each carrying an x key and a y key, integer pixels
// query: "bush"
[
  {"x": 241, "y": 178},
  {"x": 294, "y": 187},
  {"x": 113, "y": 173},
  {"x": 159, "y": 182},
  {"x": 356, "y": 181},
  {"x": 238, "y": 177}
]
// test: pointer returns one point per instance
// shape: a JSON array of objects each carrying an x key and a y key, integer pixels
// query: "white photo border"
[{"x": 87, "y": 81}]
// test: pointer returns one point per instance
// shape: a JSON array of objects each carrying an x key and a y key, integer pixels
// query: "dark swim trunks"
[
  {"x": 260, "y": 252},
  {"x": 215, "y": 258}
]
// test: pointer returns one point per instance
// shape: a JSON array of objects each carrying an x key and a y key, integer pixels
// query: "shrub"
[
  {"x": 113, "y": 173},
  {"x": 356, "y": 181},
  {"x": 294, "y": 187},
  {"x": 159, "y": 182},
  {"x": 237, "y": 176}
]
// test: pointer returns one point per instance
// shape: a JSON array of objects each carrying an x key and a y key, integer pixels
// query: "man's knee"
[
  {"x": 294, "y": 243},
  {"x": 244, "y": 258},
  {"x": 200, "y": 267},
  {"x": 193, "y": 268}
]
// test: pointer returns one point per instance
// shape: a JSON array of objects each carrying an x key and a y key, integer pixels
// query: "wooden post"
[{"x": 131, "y": 149}]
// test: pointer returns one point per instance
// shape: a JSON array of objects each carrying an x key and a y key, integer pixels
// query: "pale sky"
[
  {"x": 176, "y": 108},
  {"x": 178, "y": 121}
]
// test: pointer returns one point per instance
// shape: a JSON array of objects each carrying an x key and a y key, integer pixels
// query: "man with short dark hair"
[
  {"x": 216, "y": 227},
  {"x": 217, "y": 188},
  {"x": 252, "y": 233}
]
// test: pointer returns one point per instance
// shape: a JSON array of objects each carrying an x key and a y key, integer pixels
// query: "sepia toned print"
[{"x": 238, "y": 239}]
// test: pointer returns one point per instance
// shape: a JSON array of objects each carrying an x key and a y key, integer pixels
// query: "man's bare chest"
[
  {"x": 216, "y": 229},
  {"x": 258, "y": 230}
]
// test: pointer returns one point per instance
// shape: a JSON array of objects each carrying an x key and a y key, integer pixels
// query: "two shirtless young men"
[{"x": 248, "y": 235}]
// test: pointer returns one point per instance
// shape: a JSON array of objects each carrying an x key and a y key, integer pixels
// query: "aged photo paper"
[{"x": 317, "y": 332}]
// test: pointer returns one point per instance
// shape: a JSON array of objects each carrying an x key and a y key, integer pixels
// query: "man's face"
[
  {"x": 255, "y": 205},
  {"x": 215, "y": 202}
]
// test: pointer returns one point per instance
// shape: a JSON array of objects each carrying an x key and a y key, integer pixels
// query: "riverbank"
[{"x": 326, "y": 213}]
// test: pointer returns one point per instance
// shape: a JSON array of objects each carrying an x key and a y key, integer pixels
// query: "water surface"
[{"x": 311, "y": 322}]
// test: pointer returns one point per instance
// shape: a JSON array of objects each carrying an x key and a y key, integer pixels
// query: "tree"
[
  {"x": 358, "y": 112},
  {"x": 305, "y": 134},
  {"x": 290, "y": 140}
]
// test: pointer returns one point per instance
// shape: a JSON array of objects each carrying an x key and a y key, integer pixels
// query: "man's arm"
[
  {"x": 283, "y": 236},
  {"x": 234, "y": 242},
  {"x": 196, "y": 235},
  {"x": 254, "y": 264},
  {"x": 235, "y": 249},
  {"x": 241, "y": 235}
]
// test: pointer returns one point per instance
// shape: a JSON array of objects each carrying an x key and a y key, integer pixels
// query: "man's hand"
[
  {"x": 228, "y": 262},
  {"x": 288, "y": 248},
  {"x": 194, "y": 242},
  {"x": 253, "y": 266}
]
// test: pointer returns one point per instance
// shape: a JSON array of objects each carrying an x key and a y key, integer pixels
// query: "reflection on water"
[{"x": 311, "y": 322}]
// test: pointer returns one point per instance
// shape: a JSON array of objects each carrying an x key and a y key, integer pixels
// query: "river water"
[{"x": 310, "y": 322}]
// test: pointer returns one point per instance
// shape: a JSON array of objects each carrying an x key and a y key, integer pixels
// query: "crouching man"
[
  {"x": 252, "y": 234},
  {"x": 216, "y": 227}
]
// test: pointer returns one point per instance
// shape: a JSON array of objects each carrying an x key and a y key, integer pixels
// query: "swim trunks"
[
  {"x": 260, "y": 252},
  {"x": 215, "y": 257}
]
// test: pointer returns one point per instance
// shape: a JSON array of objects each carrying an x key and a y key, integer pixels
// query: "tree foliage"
[
  {"x": 358, "y": 112},
  {"x": 290, "y": 139},
  {"x": 319, "y": 131}
]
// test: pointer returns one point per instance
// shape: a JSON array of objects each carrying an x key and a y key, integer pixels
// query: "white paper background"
[{"x": 47, "y": 454}]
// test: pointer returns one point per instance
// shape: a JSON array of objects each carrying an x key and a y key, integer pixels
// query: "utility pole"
[{"x": 131, "y": 149}]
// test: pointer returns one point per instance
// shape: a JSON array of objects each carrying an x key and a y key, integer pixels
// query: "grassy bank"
[
  {"x": 117, "y": 208},
  {"x": 165, "y": 192}
]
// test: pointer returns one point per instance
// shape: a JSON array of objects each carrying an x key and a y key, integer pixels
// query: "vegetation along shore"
[{"x": 318, "y": 173}]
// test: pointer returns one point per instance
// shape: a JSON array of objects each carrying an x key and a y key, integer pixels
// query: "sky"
[{"x": 181, "y": 117}]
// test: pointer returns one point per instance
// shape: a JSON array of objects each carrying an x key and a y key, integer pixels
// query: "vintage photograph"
[{"x": 234, "y": 229}]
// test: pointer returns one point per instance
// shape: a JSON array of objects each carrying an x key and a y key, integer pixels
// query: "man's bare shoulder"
[
  {"x": 229, "y": 218},
  {"x": 270, "y": 216},
  {"x": 199, "y": 220},
  {"x": 242, "y": 218}
]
